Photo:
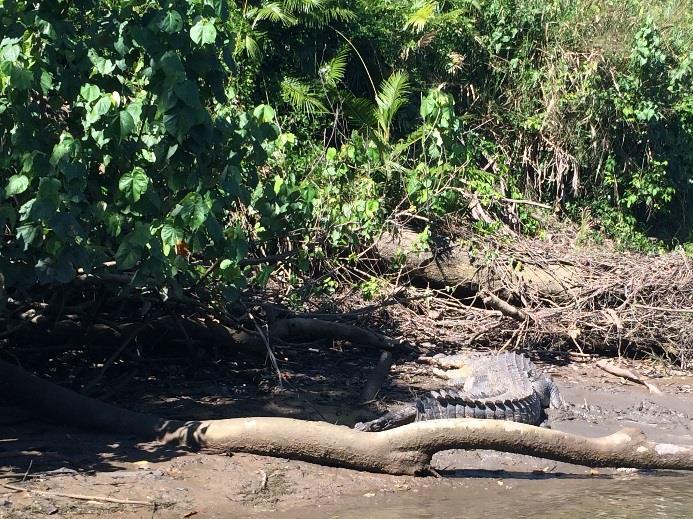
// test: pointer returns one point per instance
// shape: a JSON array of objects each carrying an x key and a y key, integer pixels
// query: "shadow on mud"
[{"x": 317, "y": 384}]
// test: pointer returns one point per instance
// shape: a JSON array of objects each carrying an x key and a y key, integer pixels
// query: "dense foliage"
[{"x": 169, "y": 137}]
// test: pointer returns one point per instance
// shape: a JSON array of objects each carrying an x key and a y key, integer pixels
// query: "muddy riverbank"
[{"x": 473, "y": 483}]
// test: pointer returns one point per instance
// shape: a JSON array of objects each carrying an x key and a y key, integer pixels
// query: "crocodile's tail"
[{"x": 389, "y": 420}]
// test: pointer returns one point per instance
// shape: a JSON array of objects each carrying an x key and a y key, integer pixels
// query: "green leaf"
[
  {"x": 360, "y": 111},
  {"x": 46, "y": 82},
  {"x": 172, "y": 66},
  {"x": 134, "y": 184},
  {"x": 89, "y": 92},
  {"x": 102, "y": 106},
  {"x": 127, "y": 255},
  {"x": 194, "y": 210},
  {"x": 64, "y": 147},
  {"x": 179, "y": 122},
  {"x": 46, "y": 203},
  {"x": 21, "y": 78},
  {"x": 101, "y": 65},
  {"x": 149, "y": 155},
  {"x": 170, "y": 236},
  {"x": 135, "y": 110},
  {"x": 301, "y": 96},
  {"x": 333, "y": 71},
  {"x": 251, "y": 46},
  {"x": 104, "y": 66},
  {"x": 28, "y": 233},
  {"x": 17, "y": 184},
  {"x": 10, "y": 53},
  {"x": 65, "y": 226},
  {"x": 188, "y": 92},
  {"x": 49, "y": 189},
  {"x": 113, "y": 223},
  {"x": 418, "y": 20},
  {"x": 264, "y": 113},
  {"x": 203, "y": 32},
  {"x": 171, "y": 22},
  {"x": 278, "y": 183},
  {"x": 276, "y": 13},
  {"x": 392, "y": 95},
  {"x": 121, "y": 45},
  {"x": 126, "y": 122}
]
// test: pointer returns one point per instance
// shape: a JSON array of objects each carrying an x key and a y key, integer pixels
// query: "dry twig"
[
  {"x": 77, "y": 496},
  {"x": 627, "y": 374}
]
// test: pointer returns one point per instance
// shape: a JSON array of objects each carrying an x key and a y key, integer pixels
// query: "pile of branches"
[
  {"x": 624, "y": 300},
  {"x": 528, "y": 293}
]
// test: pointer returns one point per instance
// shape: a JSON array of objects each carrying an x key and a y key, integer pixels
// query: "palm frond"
[
  {"x": 304, "y": 6},
  {"x": 250, "y": 44},
  {"x": 252, "y": 47},
  {"x": 360, "y": 111},
  {"x": 333, "y": 71},
  {"x": 274, "y": 12},
  {"x": 392, "y": 95},
  {"x": 301, "y": 96},
  {"x": 423, "y": 15},
  {"x": 322, "y": 17}
]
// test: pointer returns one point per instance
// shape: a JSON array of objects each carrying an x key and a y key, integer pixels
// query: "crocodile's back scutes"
[
  {"x": 501, "y": 388},
  {"x": 450, "y": 405}
]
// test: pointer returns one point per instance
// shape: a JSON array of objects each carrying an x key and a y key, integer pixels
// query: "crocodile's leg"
[
  {"x": 456, "y": 377},
  {"x": 389, "y": 420}
]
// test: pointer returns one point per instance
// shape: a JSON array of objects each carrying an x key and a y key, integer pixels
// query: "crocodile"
[{"x": 505, "y": 386}]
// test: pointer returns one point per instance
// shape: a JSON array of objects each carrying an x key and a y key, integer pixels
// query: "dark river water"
[{"x": 637, "y": 496}]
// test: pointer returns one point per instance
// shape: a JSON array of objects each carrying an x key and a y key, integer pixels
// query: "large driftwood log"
[
  {"x": 451, "y": 265},
  {"x": 409, "y": 449},
  {"x": 404, "y": 450}
]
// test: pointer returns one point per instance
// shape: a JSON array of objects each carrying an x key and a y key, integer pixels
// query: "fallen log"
[
  {"x": 409, "y": 449},
  {"x": 403, "y": 450},
  {"x": 296, "y": 327},
  {"x": 449, "y": 264}
]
